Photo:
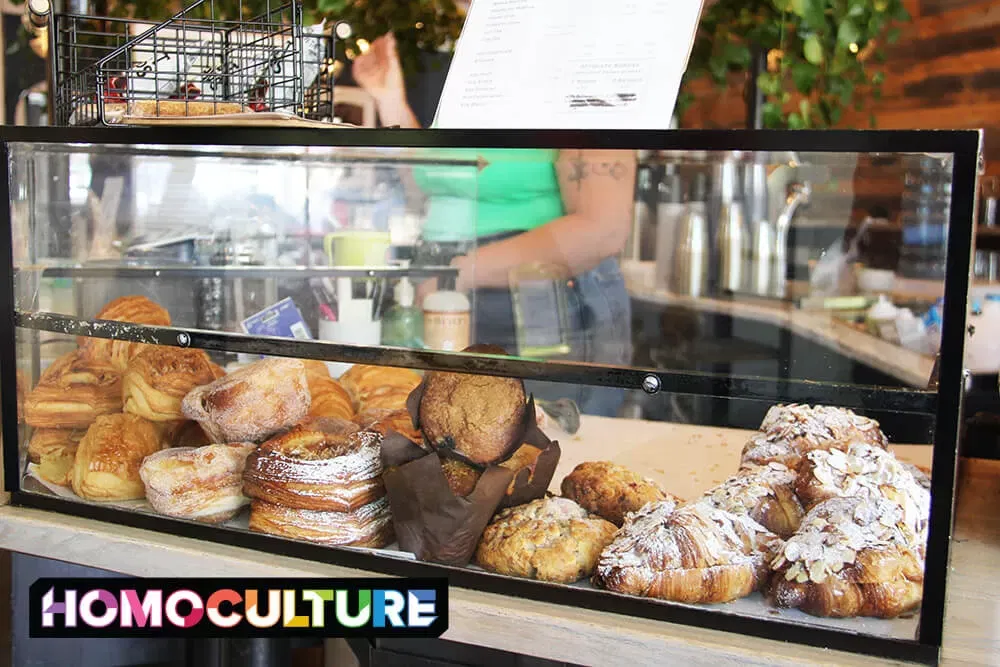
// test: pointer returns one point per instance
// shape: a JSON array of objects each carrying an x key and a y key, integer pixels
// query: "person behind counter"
[{"x": 569, "y": 209}]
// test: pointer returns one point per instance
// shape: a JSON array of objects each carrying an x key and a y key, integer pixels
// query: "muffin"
[{"x": 461, "y": 477}]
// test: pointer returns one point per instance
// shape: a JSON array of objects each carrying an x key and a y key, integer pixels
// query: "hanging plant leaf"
[
  {"x": 804, "y": 76},
  {"x": 813, "y": 50},
  {"x": 848, "y": 33}
]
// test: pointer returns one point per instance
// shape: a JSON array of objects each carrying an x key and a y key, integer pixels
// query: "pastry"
[
  {"x": 199, "y": 483},
  {"x": 319, "y": 465},
  {"x": 766, "y": 494},
  {"x": 72, "y": 393},
  {"x": 53, "y": 451},
  {"x": 185, "y": 433},
  {"x": 526, "y": 456},
  {"x": 368, "y": 526},
  {"x": 694, "y": 554},
  {"x": 159, "y": 378},
  {"x": 117, "y": 353},
  {"x": 763, "y": 449},
  {"x": 807, "y": 428},
  {"x": 364, "y": 383},
  {"x": 329, "y": 398},
  {"x": 850, "y": 557},
  {"x": 382, "y": 421},
  {"x": 610, "y": 490},
  {"x": 108, "y": 458},
  {"x": 251, "y": 404},
  {"x": 865, "y": 471},
  {"x": 390, "y": 398},
  {"x": 461, "y": 477},
  {"x": 550, "y": 539},
  {"x": 477, "y": 416}
]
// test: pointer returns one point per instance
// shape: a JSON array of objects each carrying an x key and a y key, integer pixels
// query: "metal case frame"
[{"x": 944, "y": 401}]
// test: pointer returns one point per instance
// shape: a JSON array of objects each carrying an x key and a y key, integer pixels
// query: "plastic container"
[
  {"x": 881, "y": 319},
  {"x": 403, "y": 324},
  {"x": 447, "y": 321}
]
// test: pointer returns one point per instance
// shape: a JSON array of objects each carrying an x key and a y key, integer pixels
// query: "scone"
[
  {"x": 53, "y": 451},
  {"x": 807, "y": 427},
  {"x": 610, "y": 490},
  {"x": 109, "y": 455},
  {"x": 252, "y": 403},
  {"x": 477, "y": 416},
  {"x": 133, "y": 309},
  {"x": 367, "y": 526},
  {"x": 550, "y": 539},
  {"x": 204, "y": 483},
  {"x": 317, "y": 465},
  {"x": 159, "y": 378},
  {"x": 72, "y": 393}
]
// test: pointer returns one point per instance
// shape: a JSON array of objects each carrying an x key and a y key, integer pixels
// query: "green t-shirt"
[{"x": 517, "y": 190}]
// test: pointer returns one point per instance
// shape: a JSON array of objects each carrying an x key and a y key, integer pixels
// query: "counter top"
[
  {"x": 579, "y": 636},
  {"x": 820, "y": 327}
]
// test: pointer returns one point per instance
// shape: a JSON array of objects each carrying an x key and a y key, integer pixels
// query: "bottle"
[
  {"x": 732, "y": 244},
  {"x": 691, "y": 253},
  {"x": 447, "y": 321},
  {"x": 881, "y": 319},
  {"x": 403, "y": 324},
  {"x": 669, "y": 212}
]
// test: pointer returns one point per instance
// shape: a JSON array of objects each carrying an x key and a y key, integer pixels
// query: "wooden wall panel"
[{"x": 944, "y": 73}]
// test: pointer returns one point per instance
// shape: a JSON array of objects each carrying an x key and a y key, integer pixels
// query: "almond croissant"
[{"x": 764, "y": 493}]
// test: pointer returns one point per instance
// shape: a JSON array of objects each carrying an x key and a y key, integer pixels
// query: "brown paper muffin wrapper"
[{"x": 430, "y": 520}]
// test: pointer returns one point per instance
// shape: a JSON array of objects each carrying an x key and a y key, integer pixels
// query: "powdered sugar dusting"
[
  {"x": 315, "y": 457},
  {"x": 808, "y": 427},
  {"x": 743, "y": 493}
]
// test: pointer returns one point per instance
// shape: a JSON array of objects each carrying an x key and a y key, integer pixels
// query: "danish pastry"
[
  {"x": 329, "y": 398},
  {"x": 364, "y": 382},
  {"x": 53, "y": 451},
  {"x": 766, "y": 494},
  {"x": 318, "y": 465},
  {"x": 609, "y": 490},
  {"x": 850, "y": 557},
  {"x": 109, "y": 455},
  {"x": 806, "y": 427},
  {"x": 382, "y": 421},
  {"x": 695, "y": 553},
  {"x": 368, "y": 526},
  {"x": 200, "y": 483},
  {"x": 72, "y": 393},
  {"x": 478, "y": 416},
  {"x": 133, "y": 309},
  {"x": 550, "y": 539},
  {"x": 252, "y": 403},
  {"x": 159, "y": 378}
]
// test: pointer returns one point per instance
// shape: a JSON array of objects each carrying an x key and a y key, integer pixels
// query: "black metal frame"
[{"x": 945, "y": 402}]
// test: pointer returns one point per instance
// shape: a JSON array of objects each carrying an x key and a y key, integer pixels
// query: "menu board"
[{"x": 575, "y": 64}]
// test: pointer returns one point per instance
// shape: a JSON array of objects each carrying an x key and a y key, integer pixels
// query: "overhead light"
[{"x": 853, "y": 47}]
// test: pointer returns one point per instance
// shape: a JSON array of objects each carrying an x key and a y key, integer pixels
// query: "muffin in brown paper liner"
[{"x": 434, "y": 523}]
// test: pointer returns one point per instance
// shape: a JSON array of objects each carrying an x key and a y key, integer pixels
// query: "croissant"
[
  {"x": 159, "y": 378},
  {"x": 766, "y": 494},
  {"x": 329, "y": 398},
  {"x": 72, "y": 393},
  {"x": 370, "y": 386},
  {"x": 850, "y": 557},
  {"x": 806, "y": 427},
  {"x": 54, "y": 451},
  {"x": 694, "y": 554},
  {"x": 865, "y": 471},
  {"x": 763, "y": 448},
  {"x": 133, "y": 309}
]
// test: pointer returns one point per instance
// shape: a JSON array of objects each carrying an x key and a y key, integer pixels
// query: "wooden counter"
[
  {"x": 687, "y": 459},
  {"x": 820, "y": 327}
]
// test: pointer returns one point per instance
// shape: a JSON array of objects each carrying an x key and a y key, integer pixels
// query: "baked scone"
[
  {"x": 478, "y": 416},
  {"x": 814, "y": 427},
  {"x": 319, "y": 465},
  {"x": 368, "y": 526},
  {"x": 329, "y": 398},
  {"x": 109, "y": 455},
  {"x": 763, "y": 448},
  {"x": 200, "y": 483},
  {"x": 865, "y": 471},
  {"x": 72, "y": 393},
  {"x": 53, "y": 451},
  {"x": 609, "y": 490},
  {"x": 133, "y": 309},
  {"x": 252, "y": 403},
  {"x": 364, "y": 382},
  {"x": 549, "y": 539},
  {"x": 851, "y": 557},
  {"x": 159, "y": 377},
  {"x": 765, "y": 493},
  {"x": 695, "y": 553}
]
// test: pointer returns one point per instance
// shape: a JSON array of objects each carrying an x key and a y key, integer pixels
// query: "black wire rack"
[{"x": 194, "y": 63}]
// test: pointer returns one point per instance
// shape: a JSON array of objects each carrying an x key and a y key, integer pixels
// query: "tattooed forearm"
[{"x": 580, "y": 170}]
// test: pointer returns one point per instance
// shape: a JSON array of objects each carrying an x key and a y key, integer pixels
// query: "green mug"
[{"x": 357, "y": 248}]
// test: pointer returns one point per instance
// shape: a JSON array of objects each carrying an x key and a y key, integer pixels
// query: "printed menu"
[{"x": 574, "y": 64}]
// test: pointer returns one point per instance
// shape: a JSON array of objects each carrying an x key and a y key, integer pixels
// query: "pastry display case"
[{"x": 274, "y": 339}]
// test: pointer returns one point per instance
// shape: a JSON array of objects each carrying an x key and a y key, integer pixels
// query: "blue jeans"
[{"x": 600, "y": 322}]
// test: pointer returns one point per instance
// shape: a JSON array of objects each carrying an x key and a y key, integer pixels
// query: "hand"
[{"x": 378, "y": 71}]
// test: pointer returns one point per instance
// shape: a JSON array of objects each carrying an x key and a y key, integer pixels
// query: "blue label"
[{"x": 282, "y": 319}]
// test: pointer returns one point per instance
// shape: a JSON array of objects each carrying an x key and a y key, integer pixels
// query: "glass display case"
[{"x": 412, "y": 353}]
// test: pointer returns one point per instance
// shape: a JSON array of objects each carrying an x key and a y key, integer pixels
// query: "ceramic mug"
[{"x": 357, "y": 248}]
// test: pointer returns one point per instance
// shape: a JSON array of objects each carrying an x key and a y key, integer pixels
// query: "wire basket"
[{"x": 193, "y": 64}]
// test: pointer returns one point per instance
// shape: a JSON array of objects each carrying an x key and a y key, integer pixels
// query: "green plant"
[{"x": 822, "y": 54}]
